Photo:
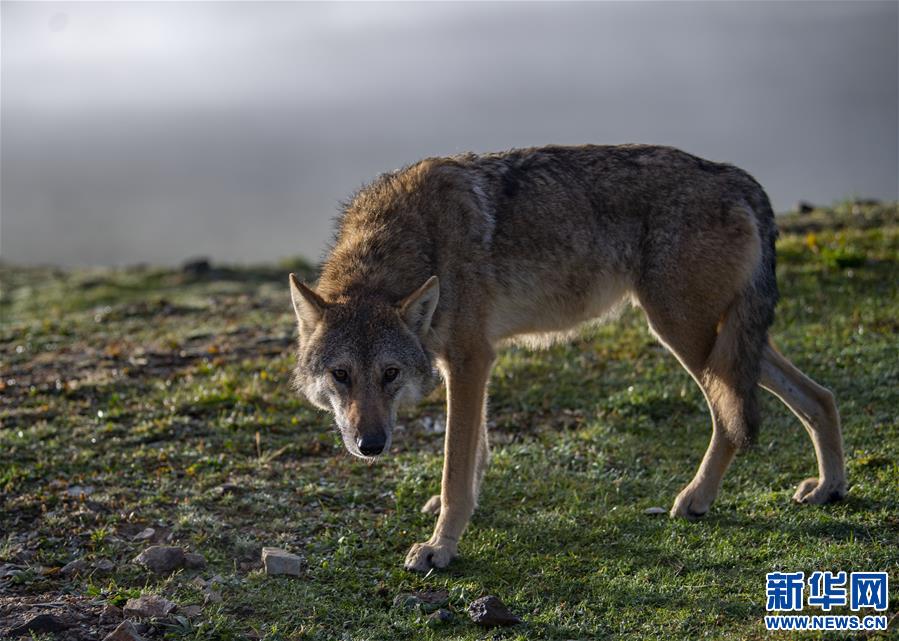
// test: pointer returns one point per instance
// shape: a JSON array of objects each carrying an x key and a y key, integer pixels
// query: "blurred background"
[{"x": 155, "y": 132}]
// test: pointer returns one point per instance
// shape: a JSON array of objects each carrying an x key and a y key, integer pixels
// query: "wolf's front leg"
[{"x": 466, "y": 399}]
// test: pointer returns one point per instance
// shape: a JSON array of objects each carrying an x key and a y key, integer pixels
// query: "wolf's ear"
[
  {"x": 308, "y": 305},
  {"x": 417, "y": 308}
]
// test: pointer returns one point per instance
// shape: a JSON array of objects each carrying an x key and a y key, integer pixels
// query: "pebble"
[
  {"x": 191, "y": 611},
  {"x": 163, "y": 559},
  {"x": 104, "y": 566},
  {"x": 147, "y": 606},
  {"x": 144, "y": 535},
  {"x": 11, "y": 569},
  {"x": 407, "y": 601},
  {"x": 77, "y": 491},
  {"x": 655, "y": 510},
  {"x": 278, "y": 561},
  {"x": 212, "y": 596},
  {"x": 229, "y": 488},
  {"x": 440, "y": 617},
  {"x": 427, "y": 600},
  {"x": 40, "y": 624},
  {"x": 110, "y": 614},
  {"x": 73, "y": 567},
  {"x": 194, "y": 561},
  {"x": 489, "y": 611},
  {"x": 124, "y": 632}
]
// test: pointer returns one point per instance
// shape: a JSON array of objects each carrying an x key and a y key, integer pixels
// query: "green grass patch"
[{"x": 168, "y": 395}]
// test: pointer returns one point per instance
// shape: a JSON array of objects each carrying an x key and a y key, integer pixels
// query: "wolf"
[{"x": 436, "y": 265}]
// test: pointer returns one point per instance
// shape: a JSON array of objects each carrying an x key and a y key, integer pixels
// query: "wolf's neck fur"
[{"x": 385, "y": 246}]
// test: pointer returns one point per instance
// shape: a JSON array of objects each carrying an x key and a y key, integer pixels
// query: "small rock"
[
  {"x": 440, "y": 617},
  {"x": 161, "y": 559},
  {"x": 194, "y": 561},
  {"x": 104, "y": 566},
  {"x": 144, "y": 535},
  {"x": 11, "y": 569},
  {"x": 432, "y": 599},
  {"x": 655, "y": 510},
  {"x": 247, "y": 566},
  {"x": 77, "y": 491},
  {"x": 278, "y": 561},
  {"x": 73, "y": 567},
  {"x": 407, "y": 601},
  {"x": 147, "y": 606},
  {"x": 162, "y": 535},
  {"x": 125, "y": 632},
  {"x": 229, "y": 488},
  {"x": 212, "y": 596},
  {"x": 110, "y": 614},
  {"x": 40, "y": 624},
  {"x": 489, "y": 611},
  {"x": 191, "y": 611}
]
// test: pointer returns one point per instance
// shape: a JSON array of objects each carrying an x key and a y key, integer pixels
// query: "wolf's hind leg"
[
  {"x": 815, "y": 407},
  {"x": 432, "y": 505},
  {"x": 715, "y": 349},
  {"x": 697, "y": 497}
]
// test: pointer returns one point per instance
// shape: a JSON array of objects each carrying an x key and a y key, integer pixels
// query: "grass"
[{"x": 155, "y": 388}]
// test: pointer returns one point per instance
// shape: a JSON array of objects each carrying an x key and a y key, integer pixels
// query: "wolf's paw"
[
  {"x": 813, "y": 491},
  {"x": 432, "y": 506},
  {"x": 424, "y": 556},
  {"x": 691, "y": 504}
]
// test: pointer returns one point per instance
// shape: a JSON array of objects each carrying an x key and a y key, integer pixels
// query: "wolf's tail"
[{"x": 733, "y": 367}]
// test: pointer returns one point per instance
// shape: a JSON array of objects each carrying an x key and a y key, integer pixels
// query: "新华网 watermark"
[{"x": 786, "y": 592}]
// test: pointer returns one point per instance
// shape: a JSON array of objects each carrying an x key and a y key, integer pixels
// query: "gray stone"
[
  {"x": 144, "y": 535},
  {"x": 407, "y": 601},
  {"x": 426, "y": 600},
  {"x": 655, "y": 510},
  {"x": 212, "y": 596},
  {"x": 278, "y": 561},
  {"x": 124, "y": 632},
  {"x": 191, "y": 611},
  {"x": 229, "y": 488},
  {"x": 194, "y": 561},
  {"x": 77, "y": 491},
  {"x": 11, "y": 569},
  {"x": 148, "y": 606},
  {"x": 104, "y": 566},
  {"x": 489, "y": 612},
  {"x": 73, "y": 567},
  {"x": 40, "y": 624},
  {"x": 439, "y": 617},
  {"x": 161, "y": 559},
  {"x": 110, "y": 614}
]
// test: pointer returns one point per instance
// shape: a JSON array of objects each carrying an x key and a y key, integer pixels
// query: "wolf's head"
[{"x": 364, "y": 358}]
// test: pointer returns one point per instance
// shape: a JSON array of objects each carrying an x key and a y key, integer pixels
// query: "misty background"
[{"x": 155, "y": 132}]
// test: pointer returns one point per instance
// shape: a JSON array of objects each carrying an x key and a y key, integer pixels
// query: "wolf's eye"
[
  {"x": 341, "y": 376},
  {"x": 390, "y": 374}
]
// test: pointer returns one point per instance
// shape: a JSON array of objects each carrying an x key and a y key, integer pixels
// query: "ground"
[{"x": 146, "y": 397}]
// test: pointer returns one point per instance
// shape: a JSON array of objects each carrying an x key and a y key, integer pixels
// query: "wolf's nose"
[{"x": 371, "y": 444}]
